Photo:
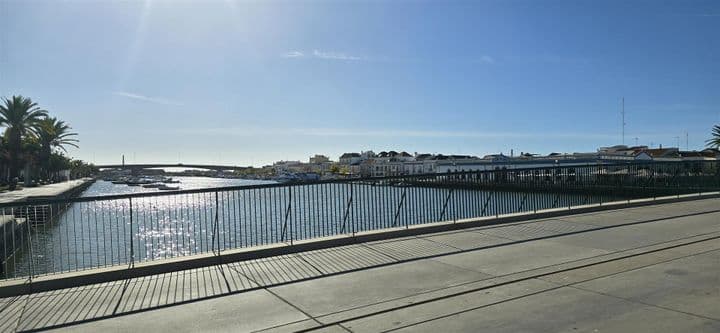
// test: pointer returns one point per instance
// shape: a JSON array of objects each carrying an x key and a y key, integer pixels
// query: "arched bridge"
[{"x": 170, "y": 165}]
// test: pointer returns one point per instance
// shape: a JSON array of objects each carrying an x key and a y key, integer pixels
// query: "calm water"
[{"x": 111, "y": 232}]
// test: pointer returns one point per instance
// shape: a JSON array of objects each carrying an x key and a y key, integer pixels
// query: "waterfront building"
[
  {"x": 393, "y": 163},
  {"x": 319, "y": 159},
  {"x": 281, "y": 167},
  {"x": 349, "y": 158}
]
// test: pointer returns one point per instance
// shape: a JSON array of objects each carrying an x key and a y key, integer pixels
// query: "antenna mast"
[{"x": 623, "y": 120}]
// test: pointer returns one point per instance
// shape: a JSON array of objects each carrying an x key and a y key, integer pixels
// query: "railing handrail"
[{"x": 50, "y": 201}]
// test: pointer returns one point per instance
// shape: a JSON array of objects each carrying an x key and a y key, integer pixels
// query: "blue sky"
[{"x": 251, "y": 82}]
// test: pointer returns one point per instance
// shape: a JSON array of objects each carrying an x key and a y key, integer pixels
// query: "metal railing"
[{"x": 53, "y": 236}]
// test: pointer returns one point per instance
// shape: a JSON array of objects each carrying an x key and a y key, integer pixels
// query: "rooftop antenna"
[
  {"x": 636, "y": 141},
  {"x": 687, "y": 141}
]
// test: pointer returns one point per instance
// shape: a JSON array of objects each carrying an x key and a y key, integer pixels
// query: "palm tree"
[
  {"x": 714, "y": 142},
  {"x": 19, "y": 115},
  {"x": 53, "y": 133}
]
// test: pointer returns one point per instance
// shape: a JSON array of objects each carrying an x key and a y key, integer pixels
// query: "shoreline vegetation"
[{"x": 33, "y": 146}]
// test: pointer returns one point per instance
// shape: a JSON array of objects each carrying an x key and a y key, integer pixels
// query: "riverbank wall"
[{"x": 18, "y": 213}]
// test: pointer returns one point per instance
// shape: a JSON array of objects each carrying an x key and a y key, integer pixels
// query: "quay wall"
[{"x": 16, "y": 221}]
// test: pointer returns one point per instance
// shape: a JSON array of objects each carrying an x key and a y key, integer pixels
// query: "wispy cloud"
[
  {"x": 319, "y": 54},
  {"x": 148, "y": 99},
  {"x": 550, "y": 59},
  {"x": 293, "y": 54},
  {"x": 334, "y": 55},
  {"x": 342, "y": 56}
]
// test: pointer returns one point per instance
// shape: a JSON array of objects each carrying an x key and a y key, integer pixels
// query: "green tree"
[
  {"x": 29, "y": 155},
  {"x": 20, "y": 116},
  {"x": 714, "y": 142},
  {"x": 58, "y": 162},
  {"x": 52, "y": 134},
  {"x": 79, "y": 168}
]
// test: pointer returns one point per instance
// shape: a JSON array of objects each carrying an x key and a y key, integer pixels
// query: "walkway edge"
[{"x": 44, "y": 283}]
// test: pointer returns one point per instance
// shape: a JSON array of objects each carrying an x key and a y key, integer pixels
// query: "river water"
[{"x": 113, "y": 232}]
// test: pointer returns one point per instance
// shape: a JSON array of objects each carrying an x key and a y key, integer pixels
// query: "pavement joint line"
[
  {"x": 456, "y": 312},
  {"x": 522, "y": 272},
  {"x": 636, "y": 268},
  {"x": 643, "y": 303},
  {"x": 293, "y": 305},
  {"x": 490, "y": 276},
  {"x": 249, "y": 279},
  {"x": 279, "y": 326},
  {"x": 499, "y": 285},
  {"x": 302, "y": 258},
  {"x": 345, "y": 328}
]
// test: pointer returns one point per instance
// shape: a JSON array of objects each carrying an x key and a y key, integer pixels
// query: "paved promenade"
[
  {"x": 645, "y": 269},
  {"x": 50, "y": 190}
]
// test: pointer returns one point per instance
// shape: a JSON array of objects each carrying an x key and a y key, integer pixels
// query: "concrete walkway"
[
  {"x": 50, "y": 190},
  {"x": 646, "y": 269}
]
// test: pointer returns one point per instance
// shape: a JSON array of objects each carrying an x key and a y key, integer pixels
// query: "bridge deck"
[{"x": 641, "y": 269}]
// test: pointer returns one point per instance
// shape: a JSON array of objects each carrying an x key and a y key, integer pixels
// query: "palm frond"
[{"x": 714, "y": 141}]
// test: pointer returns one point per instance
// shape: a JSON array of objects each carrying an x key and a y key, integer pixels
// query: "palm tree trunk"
[
  {"x": 14, "y": 158},
  {"x": 44, "y": 165}
]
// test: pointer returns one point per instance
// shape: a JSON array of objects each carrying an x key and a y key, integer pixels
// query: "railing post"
[
  {"x": 348, "y": 206},
  {"x": 292, "y": 236},
  {"x": 216, "y": 225},
  {"x": 353, "y": 217},
  {"x": 287, "y": 216},
  {"x": 132, "y": 244},
  {"x": 397, "y": 210},
  {"x": 444, "y": 208},
  {"x": 28, "y": 226},
  {"x": 487, "y": 202},
  {"x": 522, "y": 203}
]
